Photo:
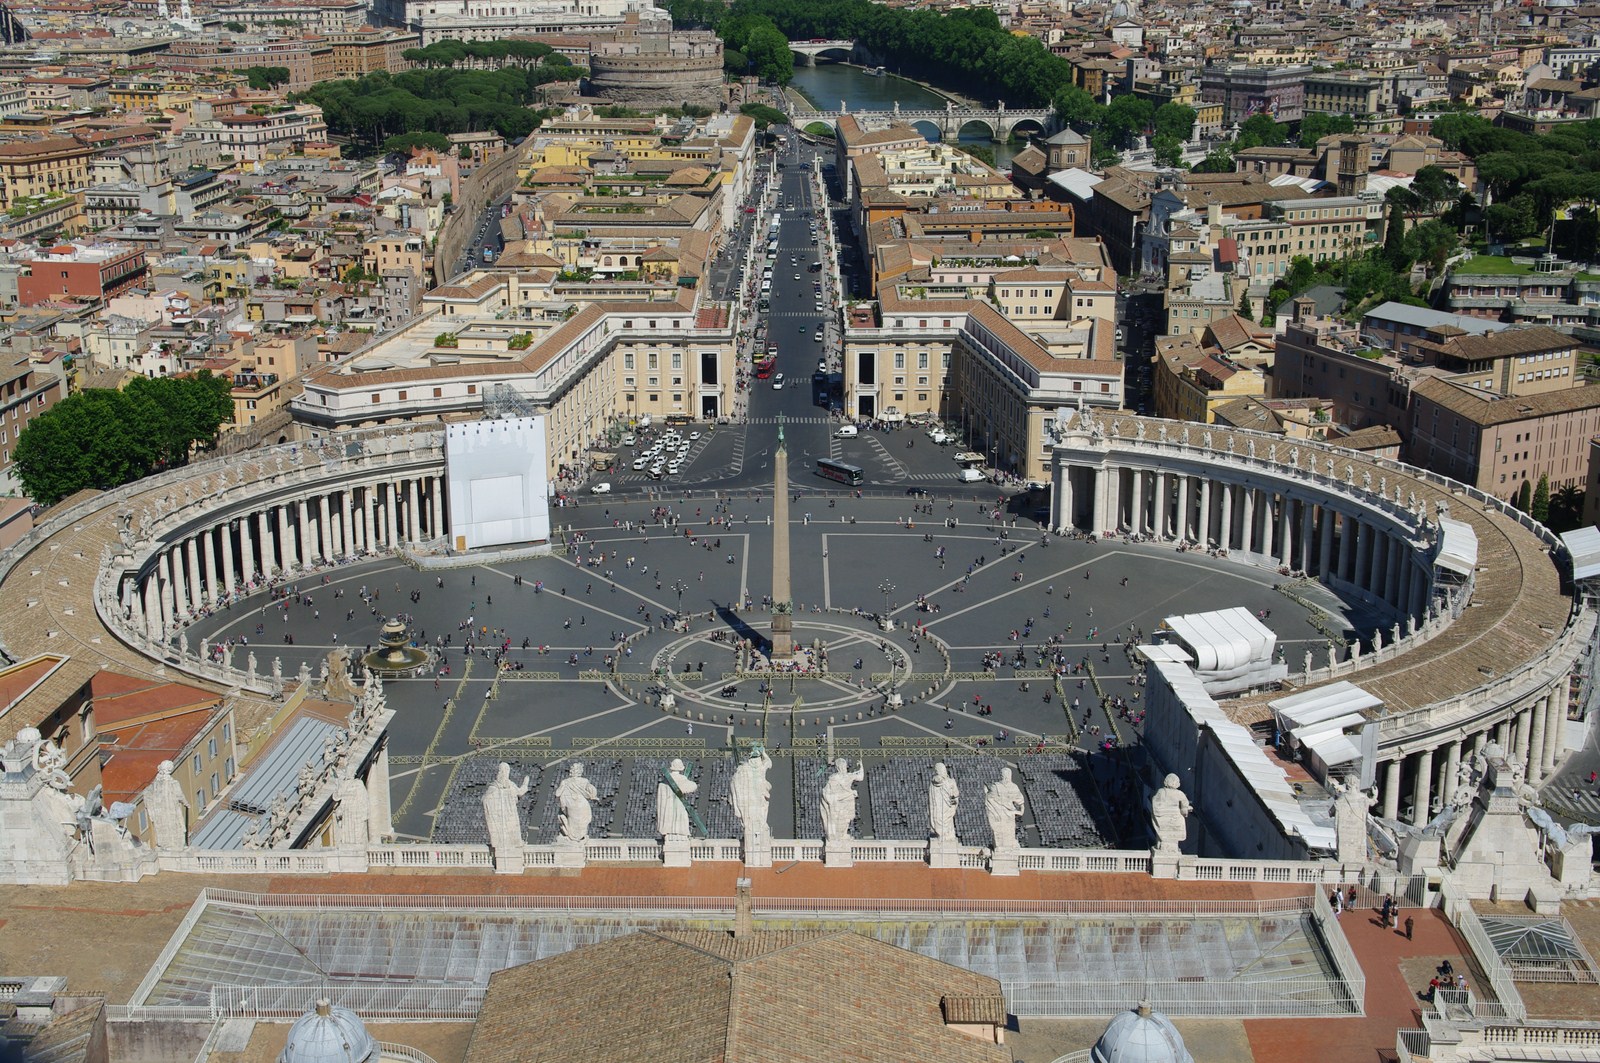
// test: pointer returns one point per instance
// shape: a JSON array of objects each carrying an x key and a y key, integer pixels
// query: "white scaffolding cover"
[
  {"x": 1458, "y": 547},
  {"x": 1584, "y": 546},
  {"x": 1224, "y": 639}
]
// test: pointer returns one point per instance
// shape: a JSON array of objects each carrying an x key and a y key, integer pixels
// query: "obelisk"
[{"x": 782, "y": 603}]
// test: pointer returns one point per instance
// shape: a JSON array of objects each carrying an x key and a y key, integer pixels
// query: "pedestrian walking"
[{"x": 1409, "y": 925}]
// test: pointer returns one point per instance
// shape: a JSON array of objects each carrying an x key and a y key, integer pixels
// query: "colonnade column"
[
  {"x": 435, "y": 514},
  {"x": 208, "y": 554},
  {"x": 346, "y": 525},
  {"x": 191, "y": 562},
  {"x": 286, "y": 549},
  {"x": 1555, "y": 725},
  {"x": 390, "y": 517},
  {"x": 1285, "y": 529},
  {"x": 1097, "y": 514},
  {"x": 1391, "y": 789},
  {"x": 1308, "y": 536},
  {"x": 367, "y": 516},
  {"x": 413, "y": 512},
  {"x": 1347, "y": 545},
  {"x": 269, "y": 544},
  {"x": 1065, "y": 501},
  {"x": 1521, "y": 735},
  {"x": 152, "y": 604},
  {"x": 1536, "y": 721},
  {"x": 1421, "y": 790},
  {"x": 1325, "y": 546},
  {"x": 1203, "y": 525},
  {"x": 1452, "y": 763},
  {"x": 247, "y": 550},
  {"x": 1163, "y": 504},
  {"x": 1183, "y": 507},
  {"x": 230, "y": 581},
  {"x": 175, "y": 580},
  {"x": 325, "y": 527},
  {"x": 1225, "y": 529}
]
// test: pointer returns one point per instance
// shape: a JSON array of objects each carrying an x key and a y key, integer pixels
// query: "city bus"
[
  {"x": 765, "y": 367},
  {"x": 839, "y": 472}
]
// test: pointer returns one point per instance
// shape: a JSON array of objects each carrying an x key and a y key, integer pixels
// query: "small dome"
[
  {"x": 329, "y": 1034},
  {"x": 1141, "y": 1035}
]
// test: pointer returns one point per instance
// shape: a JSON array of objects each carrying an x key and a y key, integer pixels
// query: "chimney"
[{"x": 744, "y": 924}]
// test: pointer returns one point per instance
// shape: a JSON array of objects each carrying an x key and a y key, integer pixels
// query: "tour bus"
[
  {"x": 765, "y": 366},
  {"x": 839, "y": 472},
  {"x": 678, "y": 420}
]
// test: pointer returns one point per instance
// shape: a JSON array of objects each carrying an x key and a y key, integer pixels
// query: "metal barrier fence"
[
  {"x": 1460, "y": 912},
  {"x": 767, "y": 906},
  {"x": 1338, "y": 946},
  {"x": 370, "y": 1001},
  {"x": 1266, "y": 998}
]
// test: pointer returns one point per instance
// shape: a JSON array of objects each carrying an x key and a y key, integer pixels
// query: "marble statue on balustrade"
[
  {"x": 672, "y": 807},
  {"x": 1169, "y": 809},
  {"x": 1003, "y": 806},
  {"x": 750, "y": 793},
  {"x": 943, "y": 797},
  {"x": 839, "y": 801},
  {"x": 500, "y": 811},
  {"x": 168, "y": 809},
  {"x": 1350, "y": 805},
  {"x": 352, "y": 814},
  {"x": 574, "y": 795}
]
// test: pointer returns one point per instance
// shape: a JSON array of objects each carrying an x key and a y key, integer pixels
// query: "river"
[{"x": 826, "y": 84}]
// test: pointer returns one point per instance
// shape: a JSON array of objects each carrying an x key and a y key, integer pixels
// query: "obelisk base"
[{"x": 782, "y": 638}]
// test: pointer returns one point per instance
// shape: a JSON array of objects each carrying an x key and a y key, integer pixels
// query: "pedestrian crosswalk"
[
  {"x": 1570, "y": 799},
  {"x": 819, "y": 419}
]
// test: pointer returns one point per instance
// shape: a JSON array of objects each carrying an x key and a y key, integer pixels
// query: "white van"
[
  {"x": 847, "y": 431},
  {"x": 969, "y": 476}
]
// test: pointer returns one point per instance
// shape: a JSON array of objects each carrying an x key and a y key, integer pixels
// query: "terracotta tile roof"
[
  {"x": 769, "y": 996},
  {"x": 122, "y": 699},
  {"x": 1474, "y": 407},
  {"x": 1508, "y": 343},
  {"x": 1377, "y": 437}
]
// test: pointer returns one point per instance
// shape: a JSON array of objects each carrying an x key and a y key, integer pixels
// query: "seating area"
[
  {"x": 1055, "y": 788},
  {"x": 460, "y": 818}
]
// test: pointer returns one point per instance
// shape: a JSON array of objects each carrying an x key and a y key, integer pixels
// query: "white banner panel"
[{"x": 499, "y": 491}]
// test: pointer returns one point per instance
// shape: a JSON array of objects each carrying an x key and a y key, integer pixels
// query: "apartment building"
[
  {"x": 1245, "y": 89},
  {"x": 42, "y": 167},
  {"x": 256, "y": 137},
  {"x": 26, "y": 391},
  {"x": 1496, "y": 444},
  {"x": 82, "y": 272},
  {"x": 1336, "y": 92}
]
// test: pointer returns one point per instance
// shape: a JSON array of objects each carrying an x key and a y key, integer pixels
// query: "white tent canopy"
[
  {"x": 1226, "y": 638},
  {"x": 1584, "y": 546},
  {"x": 1458, "y": 547}
]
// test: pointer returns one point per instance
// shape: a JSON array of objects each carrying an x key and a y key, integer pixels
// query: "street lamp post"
[
  {"x": 680, "y": 588},
  {"x": 884, "y": 621}
]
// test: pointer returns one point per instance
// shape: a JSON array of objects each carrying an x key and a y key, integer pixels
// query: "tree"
[
  {"x": 763, "y": 114},
  {"x": 1566, "y": 509},
  {"x": 1511, "y": 219},
  {"x": 1260, "y": 130},
  {"x": 1539, "y": 510},
  {"x": 1434, "y": 187},
  {"x": 1394, "y": 230},
  {"x": 235, "y": 27},
  {"x": 1524, "y": 499},
  {"x": 1078, "y": 109},
  {"x": 1168, "y": 149},
  {"x": 1431, "y": 242},
  {"x": 402, "y": 143},
  {"x": 1247, "y": 310},
  {"x": 262, "y": 78},
  {"x": 102, "y": 439},
  {"x": 1175, "y": 120},
  {"x": 1218, "y": 160},
  {"x": 1318, "y": 124}
]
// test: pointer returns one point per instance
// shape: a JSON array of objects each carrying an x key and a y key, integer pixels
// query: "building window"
[
  {"x": 197, "y": 764},
  {"x": 211, "y": 749}
]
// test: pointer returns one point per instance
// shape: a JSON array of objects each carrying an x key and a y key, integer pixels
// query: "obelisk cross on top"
[{"x": 782, "y": 595}]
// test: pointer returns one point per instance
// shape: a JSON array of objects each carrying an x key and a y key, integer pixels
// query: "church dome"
[
  {"x": 1142, "y": 1035},
  {"x": 329, "y": 1034}
]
